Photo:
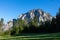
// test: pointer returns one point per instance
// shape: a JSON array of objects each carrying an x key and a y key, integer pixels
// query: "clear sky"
[{"x": 10, "y": 9}]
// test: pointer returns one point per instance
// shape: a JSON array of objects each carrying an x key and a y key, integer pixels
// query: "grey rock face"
[{"x": 42, "y": 16}]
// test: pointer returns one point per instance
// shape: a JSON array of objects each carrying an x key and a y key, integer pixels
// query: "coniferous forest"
[{"x": 20, "y": 26}]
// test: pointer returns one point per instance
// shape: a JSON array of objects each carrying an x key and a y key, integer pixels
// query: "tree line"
[{"x": 21, "y": 26}]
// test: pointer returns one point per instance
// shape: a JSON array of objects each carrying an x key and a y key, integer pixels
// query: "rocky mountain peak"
[{"x": 42, "y": 16}]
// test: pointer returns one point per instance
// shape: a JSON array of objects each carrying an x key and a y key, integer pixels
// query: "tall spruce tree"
[{"x": 58, "y": 20}]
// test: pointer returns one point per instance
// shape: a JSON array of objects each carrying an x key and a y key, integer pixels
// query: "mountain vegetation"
[{"x": 34, "y": 26}]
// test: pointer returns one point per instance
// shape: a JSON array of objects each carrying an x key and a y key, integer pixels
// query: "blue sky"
[{"x": 10, "y": 9}]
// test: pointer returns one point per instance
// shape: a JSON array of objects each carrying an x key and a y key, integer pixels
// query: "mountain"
[
  {"x": 41, "y": 15},
  {"x": 30, "y": 15}
]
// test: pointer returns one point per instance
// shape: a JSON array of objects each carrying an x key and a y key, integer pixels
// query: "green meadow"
[{"x": 52, "y": 36}]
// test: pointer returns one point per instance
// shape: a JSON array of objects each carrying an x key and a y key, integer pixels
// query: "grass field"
[{"x": 52, "y": 36}]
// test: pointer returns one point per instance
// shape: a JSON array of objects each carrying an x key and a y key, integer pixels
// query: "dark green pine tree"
[
  {"x": 58, "y": 20},
  {"x": 1, "y": 24}
]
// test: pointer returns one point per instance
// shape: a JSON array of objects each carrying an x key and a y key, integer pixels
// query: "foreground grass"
[{"x": 52, "y": 36}]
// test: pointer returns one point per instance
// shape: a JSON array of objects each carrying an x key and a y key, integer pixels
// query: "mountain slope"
[
  {"x": 41, "y": 15},
  {"x": 30, "y": 15}
]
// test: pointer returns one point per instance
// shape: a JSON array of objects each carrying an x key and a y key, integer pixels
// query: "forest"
[{"x": 20, "y": 26}]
